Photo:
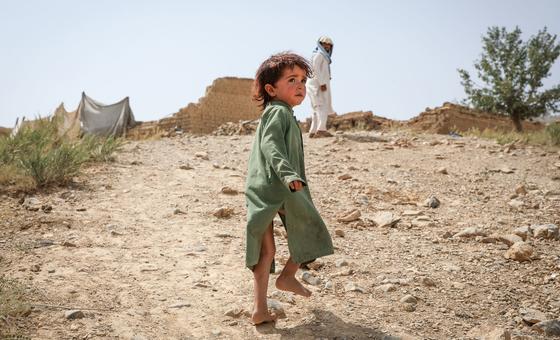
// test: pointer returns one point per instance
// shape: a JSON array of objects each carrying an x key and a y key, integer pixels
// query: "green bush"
[
  {"x": 553, "y": 133},
  {"x": 13, "y": 306},
  {"x": 39, "y": 153}
]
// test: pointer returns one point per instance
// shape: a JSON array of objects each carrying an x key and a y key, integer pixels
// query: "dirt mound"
[
  {"x": 454, "y": 118},
  {"x": 359, "y": 120}
]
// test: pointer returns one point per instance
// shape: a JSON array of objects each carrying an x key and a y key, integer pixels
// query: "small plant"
[
  {"x": 13, "y": 305},
  {"x": 553, "y": 133},
  {"x": 39, "y": 155}
]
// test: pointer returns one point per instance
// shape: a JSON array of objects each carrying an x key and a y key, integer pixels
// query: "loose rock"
[{"x": 520, "y": 251}]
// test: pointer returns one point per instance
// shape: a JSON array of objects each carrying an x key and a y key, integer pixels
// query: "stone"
[
  {"x": 470, "y": 233},
  {"x": 432, "y": 202},
  {"x": 521, "y": 190},
  {"x": 315, "y": 265},
  {"x": 340, "y": 263},
  {"x": 489, "y": 332},
  {"x": 202, "y": 155},
  {"x": 520, "y": 252},
  {"x": 223, "y": 212},
  {"x": 339, "y": 232},
  {"x": 531, "y": 316},
  {"x": 31, "y": 204},
  {"x": 344, "y": 177},
  {"x": 276, "y": 307},
  {"x": 385, "y": 219},
  {"x": 73, "y": 314},
  {"x": 350, "y": 216},
  {"x": 35, "y": 268},
  {"x": 426, "y": 281},
  {"x": 408, "y": 307},
  {"x": 548, "y": 327},
  {"x": 546, "y": 231},
  {"x": 408, "y": 299},
  {"x": 180, "y": 305},
  {"x": 149, "y": 268},
  {"x": 388, "y": 287},
  {"x": 352, "y": 287},
  {"x": 310, "y": 278},
  {"x": 442, "y": 171},
  {"x": 510, "y": 239},
  {"x": 234, "y": 312},
  {"x": 178, "y": 211},
  {"x": 228, "y": 191},
  {"x": 411, "y": 213},
  {"x": 186, "y": 167},
  {"x": 516, "y": 204},
  {"x": 522, "y": 232}
]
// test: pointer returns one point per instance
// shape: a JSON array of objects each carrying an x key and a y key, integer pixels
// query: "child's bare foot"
[
  {"x": 259, "y": 318},
  {"x": 291, "y": 284}
]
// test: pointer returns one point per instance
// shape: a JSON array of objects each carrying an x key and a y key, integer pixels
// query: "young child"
[{"x": 276, "y": 183}]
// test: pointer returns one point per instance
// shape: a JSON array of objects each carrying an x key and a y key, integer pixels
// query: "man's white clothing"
[{"x": 321, "y": 101}]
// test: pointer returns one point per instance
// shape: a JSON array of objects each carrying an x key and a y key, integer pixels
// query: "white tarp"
[{"x": 105, "y": 120}]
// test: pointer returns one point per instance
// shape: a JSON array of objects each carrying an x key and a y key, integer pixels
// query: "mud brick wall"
[
  {"x": 452, "y": 117},
  {"x": 228, "y": 99}
]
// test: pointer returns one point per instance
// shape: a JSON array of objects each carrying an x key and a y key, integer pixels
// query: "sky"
[{"x": 394, "y": 58}]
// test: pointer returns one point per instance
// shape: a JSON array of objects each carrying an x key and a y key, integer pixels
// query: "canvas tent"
[
  {"x": 93, "y": 117},
  {"x": 106, "y": 120}
]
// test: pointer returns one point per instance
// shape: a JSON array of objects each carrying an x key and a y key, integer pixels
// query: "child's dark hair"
[{"x": 270, "y": 71}]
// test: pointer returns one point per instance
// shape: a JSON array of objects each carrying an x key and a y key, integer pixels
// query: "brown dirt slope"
[{"x": 136, "y": 247}]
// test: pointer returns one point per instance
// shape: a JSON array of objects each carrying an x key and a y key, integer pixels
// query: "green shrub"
[
  {"x": 101, "y": 149},
  {"x": 13, "y": 306},
  {"x": 37, "y": 152},
  {"x": 553, "y": 133}
]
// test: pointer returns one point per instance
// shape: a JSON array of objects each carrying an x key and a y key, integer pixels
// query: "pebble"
[
  {"x": 546, "y": 231},
  {"x": 341, "y": 263},
  {"x": 470, "y": 232},
  {"x": 350, "y": 216},
  {"x": 531, "y": 316},
  {"x": 548, "y": 327},
  {"x": 389, "y": 287},
  {"x": 223, "y": 212},
  {"x": 73, "y": 314},
  {"x": 277, "y": 308},
  {"x": 352, "y": 287},
  {"x": 520, "y": 251},
  {"x": 310, "y": 278},
  {"x": 339, "y": 232},
  {"x": 432, "y": 202}
]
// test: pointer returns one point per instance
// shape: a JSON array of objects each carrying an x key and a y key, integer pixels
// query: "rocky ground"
[{"x": 152, "y": 246}]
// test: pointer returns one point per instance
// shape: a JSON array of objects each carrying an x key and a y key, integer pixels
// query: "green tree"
[{"x": 512, "y": 72}]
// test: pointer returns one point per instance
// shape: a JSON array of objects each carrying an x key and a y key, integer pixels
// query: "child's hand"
[{"x": 296, "y": 185}]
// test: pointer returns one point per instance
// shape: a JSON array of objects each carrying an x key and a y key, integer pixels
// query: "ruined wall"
[
  {"x": 454, "y": 118},
  {"x": 358, "y": 120},
  {"x": 226, "y": 100}
]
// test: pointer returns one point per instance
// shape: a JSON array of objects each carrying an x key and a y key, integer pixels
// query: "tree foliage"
[{"x": 512, "y": 72}]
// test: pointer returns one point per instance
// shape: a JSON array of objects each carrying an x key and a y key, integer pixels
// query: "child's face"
[{"x": 290, "y": 88}]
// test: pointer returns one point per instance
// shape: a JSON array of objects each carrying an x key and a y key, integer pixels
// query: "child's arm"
[{"x": 274, "y": 149}]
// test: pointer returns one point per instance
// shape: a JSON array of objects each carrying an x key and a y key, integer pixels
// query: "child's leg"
[
  {"x": 261, "y": 273},
  {"x": 287, "y": 280}
]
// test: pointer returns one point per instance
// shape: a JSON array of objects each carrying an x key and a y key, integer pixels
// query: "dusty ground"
[{"x": 135, "y": 247}]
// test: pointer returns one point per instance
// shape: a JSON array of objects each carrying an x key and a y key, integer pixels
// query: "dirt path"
[{"x": 137, "y": 249}]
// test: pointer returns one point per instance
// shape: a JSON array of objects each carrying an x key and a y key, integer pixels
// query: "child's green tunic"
[{"x": 276, "y": 160}]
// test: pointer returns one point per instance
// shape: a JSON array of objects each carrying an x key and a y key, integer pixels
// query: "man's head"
[{"x": 327, "y": 43}]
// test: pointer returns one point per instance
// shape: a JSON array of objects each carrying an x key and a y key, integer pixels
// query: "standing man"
[{"x": 319, "y": 88}]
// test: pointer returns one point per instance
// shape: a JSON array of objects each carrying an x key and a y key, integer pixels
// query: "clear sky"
[{"x": 394, "y": 58}]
